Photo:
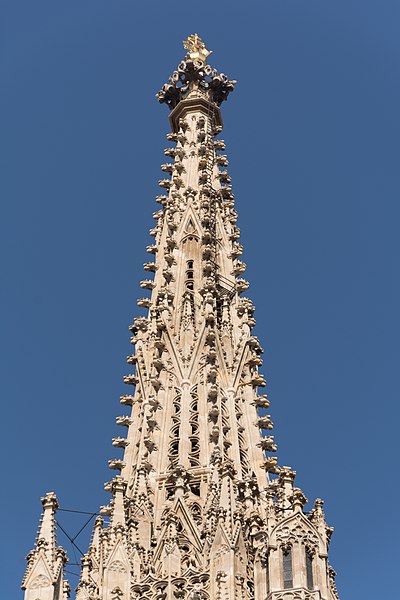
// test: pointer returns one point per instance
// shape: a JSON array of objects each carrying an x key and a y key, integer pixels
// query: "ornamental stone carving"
[
  {"x": 117, "y": 566},
  {"x": 194, "y": 77},
  {"x": 40, "y": 582}
]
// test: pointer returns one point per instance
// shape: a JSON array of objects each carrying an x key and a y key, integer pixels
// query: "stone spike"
[
  {"x": 118, "y": 508},
  {"x": 47, "y": 527},
  {"x": 96, "y": 536}
]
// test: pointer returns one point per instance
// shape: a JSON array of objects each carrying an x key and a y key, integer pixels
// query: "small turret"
[{"x": 44, "y": 577}]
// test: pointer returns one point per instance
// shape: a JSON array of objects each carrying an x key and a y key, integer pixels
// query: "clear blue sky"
[{"x": 312, "y": 131}]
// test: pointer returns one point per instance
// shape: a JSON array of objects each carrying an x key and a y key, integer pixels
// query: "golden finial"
[{"x": 196, "y": 48}]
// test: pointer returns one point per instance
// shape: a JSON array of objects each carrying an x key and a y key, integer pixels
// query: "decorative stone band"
[{"x": 190, "y": 104}]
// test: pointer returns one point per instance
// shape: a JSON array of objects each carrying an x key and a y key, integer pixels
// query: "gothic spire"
[{"x": 200, "y": 507}]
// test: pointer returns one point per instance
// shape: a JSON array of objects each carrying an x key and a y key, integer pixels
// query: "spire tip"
[{"x": 196, "y": 48}]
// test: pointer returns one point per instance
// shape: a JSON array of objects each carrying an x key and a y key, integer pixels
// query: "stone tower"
[{"x": 199, "y": 507}]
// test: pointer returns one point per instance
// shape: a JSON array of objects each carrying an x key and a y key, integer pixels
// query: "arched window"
[
  {"x": 287, "y": 568},
  {"x": 309, "y": 570}
]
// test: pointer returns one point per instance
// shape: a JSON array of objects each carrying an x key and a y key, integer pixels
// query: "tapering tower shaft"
[{"x": 201, "y": 509}]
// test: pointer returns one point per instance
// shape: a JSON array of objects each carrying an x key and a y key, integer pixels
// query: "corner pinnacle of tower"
[
  {"x": 298, "y": 500},
  {"x": 47, "y": 560},
  {"x": 50, "y": 502},
  {"x": 118, "y": 487},
  {"x": 47, "y": 526}
]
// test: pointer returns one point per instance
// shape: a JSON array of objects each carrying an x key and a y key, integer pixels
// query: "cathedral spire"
[{"x": 201, "y": 508}]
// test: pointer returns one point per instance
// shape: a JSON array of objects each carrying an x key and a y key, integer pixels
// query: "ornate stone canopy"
[{"x": 195, "y": 78}]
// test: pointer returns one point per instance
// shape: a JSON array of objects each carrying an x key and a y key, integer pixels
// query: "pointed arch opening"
[
  {"x": 309, "y": 569},
  {"x": 287, "y": 567}
]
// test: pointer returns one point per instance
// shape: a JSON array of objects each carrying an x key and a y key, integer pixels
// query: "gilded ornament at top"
[{"x": 196, "y": 47}]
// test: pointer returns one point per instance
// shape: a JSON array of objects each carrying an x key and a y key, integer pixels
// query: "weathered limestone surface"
[{"x": 199, "y": 508}]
